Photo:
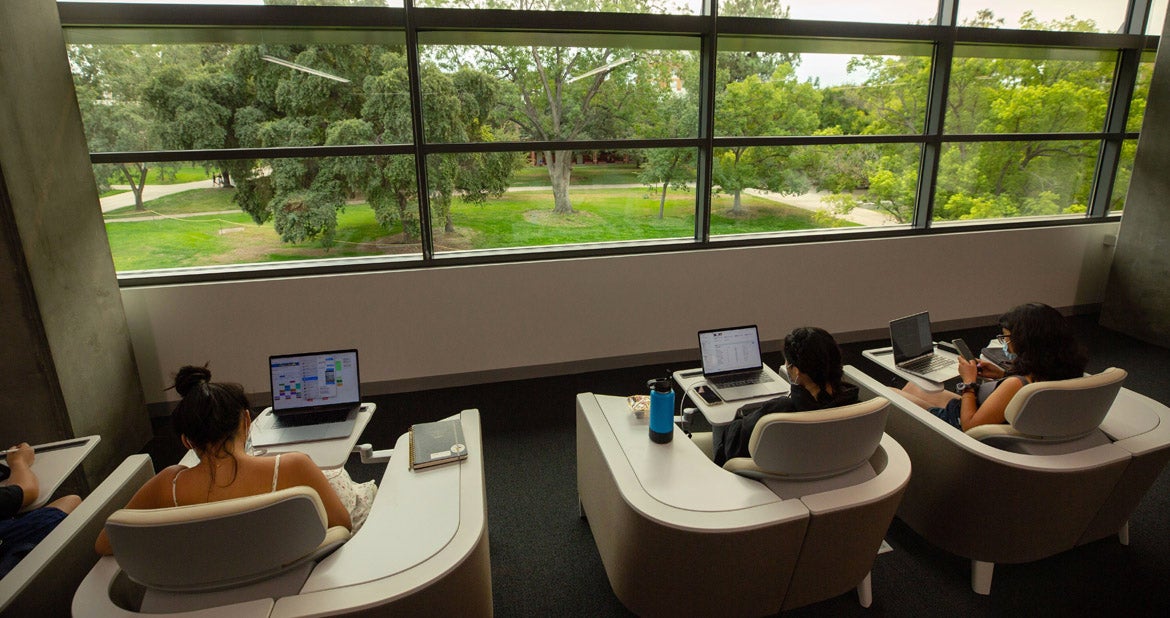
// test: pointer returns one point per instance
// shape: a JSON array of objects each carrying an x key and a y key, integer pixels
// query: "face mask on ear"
[{"x": 1008, "y": 353}]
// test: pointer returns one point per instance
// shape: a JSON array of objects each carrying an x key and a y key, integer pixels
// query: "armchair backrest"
[
  {"x": 221, "y": 544},
  {"x": 1064, "y": 409},
  {"x": 820, "y": 443},
  {"x": 1055, "y": 417}
]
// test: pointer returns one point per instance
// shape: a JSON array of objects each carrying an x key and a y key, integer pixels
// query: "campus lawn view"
[{"x": 174, "y": 235}]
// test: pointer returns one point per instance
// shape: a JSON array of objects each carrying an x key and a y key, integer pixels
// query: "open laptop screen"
[
  {"x": 910, "y": 337},
  {"x": 316, "y": 381},
  {"x": 730, "y": 349}
]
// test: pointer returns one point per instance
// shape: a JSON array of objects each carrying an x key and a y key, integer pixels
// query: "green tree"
[
  {"x": 194, "y": 97},
  {"x": 571, "y": 93},
  {"x": 108, "y": 80},
  {"x": 781, "y": 105}
]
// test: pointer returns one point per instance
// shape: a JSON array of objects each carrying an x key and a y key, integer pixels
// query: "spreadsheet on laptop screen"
[{"x": 730, "y": 350}]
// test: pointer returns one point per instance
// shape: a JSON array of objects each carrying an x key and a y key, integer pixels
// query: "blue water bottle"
[{"x": 661, "y": 410}]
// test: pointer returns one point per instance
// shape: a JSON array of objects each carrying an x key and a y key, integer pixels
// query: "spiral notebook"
[{"x": 436, "y": 443}]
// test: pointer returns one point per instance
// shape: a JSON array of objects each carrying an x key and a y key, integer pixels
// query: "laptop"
[
  {"x": 914, "y": 349},
  {"x": 733, "y": 367},
  {"x": 315, "y": 396}
]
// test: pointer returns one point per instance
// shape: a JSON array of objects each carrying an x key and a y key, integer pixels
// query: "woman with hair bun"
[
  {"x": 813, "y": 362},
  {"x": 213, "y": 419},
  {"x": 1039, "y": 345}
]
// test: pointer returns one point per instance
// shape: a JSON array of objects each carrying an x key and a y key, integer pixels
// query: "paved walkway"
[
  {"x": 808, "y": 201},
  {"x": 150, "y": 192}
]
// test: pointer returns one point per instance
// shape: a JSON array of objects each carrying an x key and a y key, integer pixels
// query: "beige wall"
[{"x": 458, "y": 325}]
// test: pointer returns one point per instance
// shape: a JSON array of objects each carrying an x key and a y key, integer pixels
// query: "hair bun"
[{"x": 189, "y": 377}]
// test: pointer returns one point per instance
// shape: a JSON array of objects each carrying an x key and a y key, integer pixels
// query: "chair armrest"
[{"x": 983, "y": 432}]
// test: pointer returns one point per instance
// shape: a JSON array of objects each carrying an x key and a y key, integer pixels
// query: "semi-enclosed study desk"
[
  {"x": 423, "y": 551},
  {"x": 677, "y": 534},
  {"x": 724, "y": 412},
  {"x": 327, "y": 454}
]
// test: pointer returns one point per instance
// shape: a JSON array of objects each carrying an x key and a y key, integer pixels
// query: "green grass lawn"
[
  {"x": 585, "y": 174},
  {"x": 518, "y": 219},
  {"x": 154, "y": 176},
  {"x": 186, "y": 202}
]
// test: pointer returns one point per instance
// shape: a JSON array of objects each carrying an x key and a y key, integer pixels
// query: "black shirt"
[
  {"x": 11, "y": 499},
  {"x": 731, "y": 440}
]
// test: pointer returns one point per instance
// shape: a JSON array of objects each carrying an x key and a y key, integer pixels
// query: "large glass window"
[
  {"x": 271, "y": 133},
  {"x": 994, "y": 180},
  {"x": 254, "y": 211},
  {"x": 1057, "y": 15},
  {"x": 875, "y": 11},
  {"x": 1028, "y": 90}
]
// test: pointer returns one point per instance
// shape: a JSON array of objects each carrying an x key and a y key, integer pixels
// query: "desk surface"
[
  {"x": 54, "y": 461},
  {"x": 423, "y": 525},
  {"x": 327, "y": 454},
  {"x": 885, "y": 358},
  {"x": 720, "y": 413},
  {"x": 676, "y": 474}
]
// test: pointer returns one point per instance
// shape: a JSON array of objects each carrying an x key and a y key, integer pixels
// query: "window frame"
[{"x": 406, "y": 25}]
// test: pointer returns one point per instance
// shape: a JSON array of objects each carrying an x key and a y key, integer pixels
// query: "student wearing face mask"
[
  {"x": 1039, "y": 345},
  {"x": 813, "y": 362}
]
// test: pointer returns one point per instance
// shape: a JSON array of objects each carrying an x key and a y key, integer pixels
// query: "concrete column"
[
  {"x": 1137, "y": 297},
  {"x": 66, "y": 364}
]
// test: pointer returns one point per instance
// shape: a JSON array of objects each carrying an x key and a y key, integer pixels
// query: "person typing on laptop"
[
  {"x": 813, "y": 363},
  {"x": 1040, "y": 345},
  {"x": 213, "y": 419}
]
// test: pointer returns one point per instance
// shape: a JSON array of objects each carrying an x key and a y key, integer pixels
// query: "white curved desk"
[
  {"x": 423, "y": 548},
  {"x": 677, "y": 534}
]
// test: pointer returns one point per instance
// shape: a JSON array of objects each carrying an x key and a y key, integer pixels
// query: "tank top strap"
[
  {"x": 174, "y": 484},
  {"x": 275, "y": 472}
]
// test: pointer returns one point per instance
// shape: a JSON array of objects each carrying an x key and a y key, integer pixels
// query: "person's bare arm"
[
  {"x": 147, "y": 497},
  {"x": 993, "y": 408},
  {"x": 20, "y": 459},
  {"x": 302, "y": 471}
]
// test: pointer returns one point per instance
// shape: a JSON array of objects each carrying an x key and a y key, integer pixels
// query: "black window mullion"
[
  {"x": 705, "y": 163},
  {"x": 1105, "y": 175},
  {"x": 940, "y": 76},
  {"x": 426, "y": 236}
]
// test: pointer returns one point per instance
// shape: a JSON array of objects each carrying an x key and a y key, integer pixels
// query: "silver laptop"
[
  {"x": 732, "y": 365},
  {"x": 315, "y": 396},
  {"x": 914, "y": 349}
]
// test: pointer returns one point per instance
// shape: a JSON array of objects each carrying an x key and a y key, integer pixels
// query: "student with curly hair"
[{"x": 1040, "y": 346}]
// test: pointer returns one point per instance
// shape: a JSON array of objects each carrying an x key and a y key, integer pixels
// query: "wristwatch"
[{"x": 963, "y": 387}]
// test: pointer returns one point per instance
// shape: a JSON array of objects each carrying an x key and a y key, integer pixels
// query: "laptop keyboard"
[
  {"x": 928, "y": 364},
  {"x": 760, "y": 378},
  {"x": 311, "y": 418}
]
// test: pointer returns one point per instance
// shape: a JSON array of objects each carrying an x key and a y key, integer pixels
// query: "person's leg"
[
  {"x": 66, "y": 504},
  {"x": 927, "y": 399}
]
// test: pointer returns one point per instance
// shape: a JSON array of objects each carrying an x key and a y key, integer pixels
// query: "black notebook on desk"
[{"x": 436, "y": 443}]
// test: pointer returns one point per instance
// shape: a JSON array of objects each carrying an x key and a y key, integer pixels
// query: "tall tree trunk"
[
  {"x": 227, "y": 178},
  {"x": 662, "y": 201},
  {"x": 736, "y": 207},
  {"x": 560, "y": 167},
  {"x": 136, "y": 187},
  {"x": 448, "y": 225}
]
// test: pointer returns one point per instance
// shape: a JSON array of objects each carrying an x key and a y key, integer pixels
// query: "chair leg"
[
  {"x": 981, "y": 573},
  {"x": 1123, "y": 534},
  {"x": 865, "y": 590}
]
